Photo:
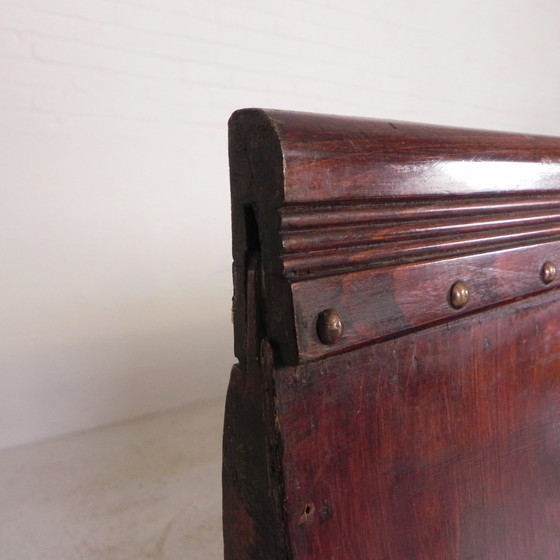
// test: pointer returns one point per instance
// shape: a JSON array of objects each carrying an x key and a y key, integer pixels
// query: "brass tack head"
[
  {"x": 459, "y": 295},
  {"x": 548, "y": 272},
  {"x": 329, "y": 327}
]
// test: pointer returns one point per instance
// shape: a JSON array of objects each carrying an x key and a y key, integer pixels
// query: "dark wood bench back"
[{"x": 396, "y": 321}]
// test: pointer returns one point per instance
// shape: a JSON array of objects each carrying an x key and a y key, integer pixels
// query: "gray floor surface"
[{"x": 144, "y": 489}]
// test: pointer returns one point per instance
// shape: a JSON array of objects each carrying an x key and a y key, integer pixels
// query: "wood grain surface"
[
  {"x": 423, "y": 421},
  {"x": 440, "y": 444}
]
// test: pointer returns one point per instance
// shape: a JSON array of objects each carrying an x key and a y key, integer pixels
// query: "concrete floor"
[{"x": 144, "y": 489}]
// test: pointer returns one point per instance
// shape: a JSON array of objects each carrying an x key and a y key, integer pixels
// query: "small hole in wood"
[{"x": 307, "y": 514}]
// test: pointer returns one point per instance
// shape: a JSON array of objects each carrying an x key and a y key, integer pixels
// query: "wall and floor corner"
[{"x": 115, "y": 225}]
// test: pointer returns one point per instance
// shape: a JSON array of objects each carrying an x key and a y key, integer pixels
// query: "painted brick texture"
[{"x": 115, "y": 203}]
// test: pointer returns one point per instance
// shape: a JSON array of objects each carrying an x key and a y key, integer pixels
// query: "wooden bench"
[{"x": 396, "y": 319}]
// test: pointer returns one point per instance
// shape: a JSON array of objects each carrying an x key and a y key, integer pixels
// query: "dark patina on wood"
[{"x": 396, "y": 320}]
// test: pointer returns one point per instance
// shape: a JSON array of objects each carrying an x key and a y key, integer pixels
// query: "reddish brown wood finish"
[
  {"x": 427, "y": 430},
  {"x": 441, "y": 444}
]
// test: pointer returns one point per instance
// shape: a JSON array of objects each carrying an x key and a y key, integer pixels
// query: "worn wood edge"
[
  {"x": 257, "y": 180},
  {"x": 252, "y": 480},
  {"x": 253, "y": 508}
]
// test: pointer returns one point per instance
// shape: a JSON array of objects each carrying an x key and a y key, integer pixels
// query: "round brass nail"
[
  {"x": 459, "y": 295},
  {"x": 329, "y": 327},
  {"x": 548, "y": 272}
]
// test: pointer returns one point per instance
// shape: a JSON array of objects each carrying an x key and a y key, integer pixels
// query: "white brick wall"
[{"x": 114, "y": 213}]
